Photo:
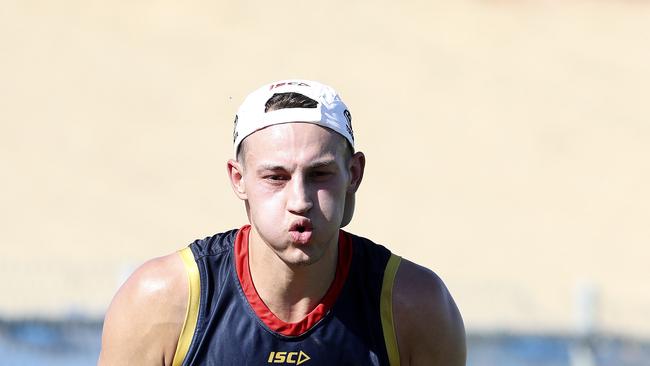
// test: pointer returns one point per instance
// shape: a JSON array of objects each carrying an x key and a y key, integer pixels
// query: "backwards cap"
[{"x": 330, "y": 111}]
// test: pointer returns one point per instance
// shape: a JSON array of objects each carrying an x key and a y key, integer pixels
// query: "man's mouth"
[{"x": 300, "y": 231}]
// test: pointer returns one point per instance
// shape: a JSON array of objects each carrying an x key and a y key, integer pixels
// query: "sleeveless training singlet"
[{"x": 228, "y": 324}]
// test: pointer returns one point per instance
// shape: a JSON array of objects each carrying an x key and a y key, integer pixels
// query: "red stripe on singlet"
[{"x": 314, "y": 316}]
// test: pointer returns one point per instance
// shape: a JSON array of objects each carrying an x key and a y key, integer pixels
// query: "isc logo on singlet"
[{"x": 290, "y": 358}]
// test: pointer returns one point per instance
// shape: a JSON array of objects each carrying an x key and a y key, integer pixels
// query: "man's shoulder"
[
  {"x": 147, "y": 313},
  {"x": 156, "y": 278},
  {"x": 428, "y": 324},
  {"x": 162, "y": 278}
]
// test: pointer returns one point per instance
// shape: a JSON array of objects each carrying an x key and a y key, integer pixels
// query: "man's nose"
[{"x": 299, "y": 200}]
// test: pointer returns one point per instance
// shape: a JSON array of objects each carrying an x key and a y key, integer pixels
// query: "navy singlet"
[{"x": 227, "y": 323}]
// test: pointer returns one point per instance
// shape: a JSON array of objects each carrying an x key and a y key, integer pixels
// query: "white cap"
[{"x": 330, "y": 111}]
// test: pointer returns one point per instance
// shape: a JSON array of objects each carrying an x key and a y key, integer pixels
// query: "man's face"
[{"x": 294, "y": 180}]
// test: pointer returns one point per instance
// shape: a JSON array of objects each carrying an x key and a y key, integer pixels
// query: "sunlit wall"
[{"x": 508, "y": 143}]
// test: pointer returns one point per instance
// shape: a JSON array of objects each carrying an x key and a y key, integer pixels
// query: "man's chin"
[{"x": 300, "y": 258}]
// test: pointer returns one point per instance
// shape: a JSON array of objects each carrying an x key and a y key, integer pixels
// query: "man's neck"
[{"x": 290, "y": 292}]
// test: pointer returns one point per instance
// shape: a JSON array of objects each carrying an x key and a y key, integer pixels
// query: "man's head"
[{"x": 296, "y": 168}]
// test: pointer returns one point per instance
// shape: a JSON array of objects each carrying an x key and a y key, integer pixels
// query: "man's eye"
[
  {"x": 275, "y": 177},
  {"x": 321, "y": 174}
]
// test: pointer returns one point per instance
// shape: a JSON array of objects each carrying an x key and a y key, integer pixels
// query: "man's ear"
[
  {"x": 356, "y": 166},
  {"x": 236, "y": 175},
  {"x": 349, "y": 209}
]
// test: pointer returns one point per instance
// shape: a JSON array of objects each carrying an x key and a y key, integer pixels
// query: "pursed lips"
[{"x": 301, "y": 231}]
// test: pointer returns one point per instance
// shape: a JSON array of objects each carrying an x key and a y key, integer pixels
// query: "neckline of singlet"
[{"x": 264, "y": 313}]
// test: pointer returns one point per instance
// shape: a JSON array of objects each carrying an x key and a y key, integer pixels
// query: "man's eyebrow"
[
  {"x": 324, "y": 163},
  {"x": 270, "y": 166}
]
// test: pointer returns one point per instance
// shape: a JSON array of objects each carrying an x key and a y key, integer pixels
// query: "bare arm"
[
  {"x": 429, "y": 327},
  {"x": 145, "y": 318}
]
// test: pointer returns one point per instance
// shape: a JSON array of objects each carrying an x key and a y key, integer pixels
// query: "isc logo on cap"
[
  {"x": 297, "y": 83},
  {"x": 288, "y": 358}
]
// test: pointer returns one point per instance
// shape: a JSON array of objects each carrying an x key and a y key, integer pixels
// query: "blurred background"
[{"x": 508, "y": 148}]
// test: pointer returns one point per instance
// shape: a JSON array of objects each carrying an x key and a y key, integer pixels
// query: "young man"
[{"x": 291, "y": 288}]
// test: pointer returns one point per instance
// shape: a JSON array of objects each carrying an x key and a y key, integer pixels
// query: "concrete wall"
[{"x": 507, "y": 142}]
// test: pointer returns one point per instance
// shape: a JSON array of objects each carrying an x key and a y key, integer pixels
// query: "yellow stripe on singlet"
[
  {"x": 192, "y": 313},
  {"x": 386, "y": 309}
]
